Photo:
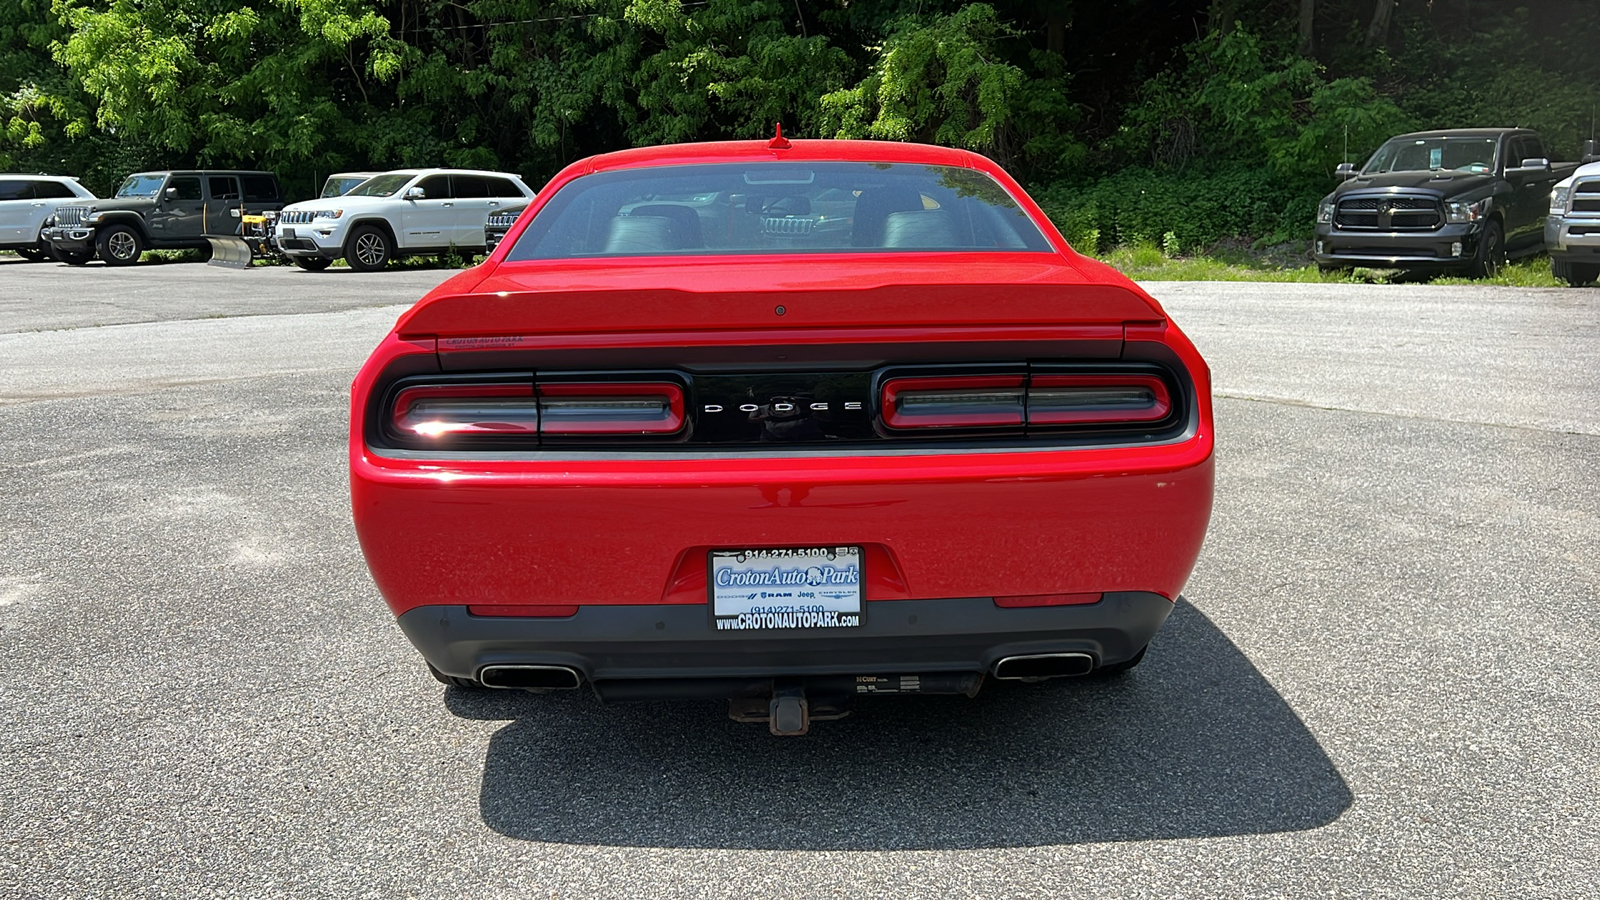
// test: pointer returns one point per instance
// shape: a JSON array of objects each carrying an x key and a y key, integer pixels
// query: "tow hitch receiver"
[{"x": 789, "y": 713}]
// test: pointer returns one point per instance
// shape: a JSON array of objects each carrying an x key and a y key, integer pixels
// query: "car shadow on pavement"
[{"x": 1193, "y": 743}]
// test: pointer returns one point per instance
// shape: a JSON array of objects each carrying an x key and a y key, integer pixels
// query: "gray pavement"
[{"x": 1382, "y": 683}]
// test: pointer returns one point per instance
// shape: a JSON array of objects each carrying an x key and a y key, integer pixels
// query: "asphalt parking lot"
[{"x": 1382, "y": 682}]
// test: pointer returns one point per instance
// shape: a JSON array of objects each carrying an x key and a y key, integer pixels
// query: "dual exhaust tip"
[{"x": 1033, "y": 667}]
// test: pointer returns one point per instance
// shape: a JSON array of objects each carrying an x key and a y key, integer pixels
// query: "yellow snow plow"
[{"x": 255, "y": 240}]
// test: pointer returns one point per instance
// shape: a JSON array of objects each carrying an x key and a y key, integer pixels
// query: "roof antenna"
[{"x": 778, "y": 142}]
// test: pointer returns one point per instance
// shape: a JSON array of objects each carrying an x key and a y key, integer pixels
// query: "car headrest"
[
  {"x": 918, "y": 228},
  {"x": 639, "y": 235}
]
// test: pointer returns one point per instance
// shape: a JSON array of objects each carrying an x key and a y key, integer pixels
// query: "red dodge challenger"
[{"x": 784, "y": 423}]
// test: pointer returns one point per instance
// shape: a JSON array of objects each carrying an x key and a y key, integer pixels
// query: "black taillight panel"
[{"x": 1000, "y": 403}]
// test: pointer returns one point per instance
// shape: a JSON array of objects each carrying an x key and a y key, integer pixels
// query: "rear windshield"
[{"x": 778, "y": 208}]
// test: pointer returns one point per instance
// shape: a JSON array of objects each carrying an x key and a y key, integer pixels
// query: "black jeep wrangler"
[{"x": 160, "y": 211}]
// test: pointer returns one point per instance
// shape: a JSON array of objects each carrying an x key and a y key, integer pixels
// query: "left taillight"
[
  {"x": 440, "y": 410},
  {"x": 434, "y": 414}
]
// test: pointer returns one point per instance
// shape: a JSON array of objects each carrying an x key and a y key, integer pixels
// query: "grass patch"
[
  {"x": 1291, "y": 263},
  {"x": 437, "y": 261},
  {"x": 1530, "y": 272}
]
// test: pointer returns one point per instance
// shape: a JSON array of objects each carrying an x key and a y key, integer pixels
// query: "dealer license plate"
[
  {"x": 790, "y": 588},
  {"x": 288, "y": 234}
]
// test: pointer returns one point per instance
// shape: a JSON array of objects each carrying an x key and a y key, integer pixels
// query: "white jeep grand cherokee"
[{"x": 407, "y": 212}]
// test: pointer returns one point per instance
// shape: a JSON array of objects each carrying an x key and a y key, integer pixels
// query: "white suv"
[
  {"x": 407, "y": 212},
  {"x": 25, "y": 202}
]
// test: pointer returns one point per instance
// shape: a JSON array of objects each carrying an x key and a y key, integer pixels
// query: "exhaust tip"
[
  {"x": 559, "y": 678},
  {"x": 1040, "y": 666}
]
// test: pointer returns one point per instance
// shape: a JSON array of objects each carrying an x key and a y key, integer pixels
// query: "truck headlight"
[
  {"x": 327, "y": 214},
  {"x": 1558, "y": 200},
  {"x": 1325, "y": 212},
  {"x": 1459, "y": 213}
]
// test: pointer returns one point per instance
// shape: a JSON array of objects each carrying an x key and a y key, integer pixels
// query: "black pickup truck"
[
  {"x": 1456, "y": 200},
  {"x": 160, "y": 210}
]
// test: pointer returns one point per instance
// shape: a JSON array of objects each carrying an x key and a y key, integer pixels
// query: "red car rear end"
[{"x": 783, "y": 425}]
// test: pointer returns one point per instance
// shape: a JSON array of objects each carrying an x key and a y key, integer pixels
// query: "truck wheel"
[
  {"x": 1491, "y": 255},
  {"x": 73, "y": 259},
  {"x": 36, "y": 253},
  {"x": 1575, "y": 274},
  {"x": 369, "y": 249},
  {"x": 120, "y": 245},
  {"x": 312, "y": 263}
]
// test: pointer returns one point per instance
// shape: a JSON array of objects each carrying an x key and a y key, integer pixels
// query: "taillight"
[
  {"x": 583, "y": 408},
  {"x": 1097, "y": 399},
  {"x": 437, "y": 410},
  {"x": 1009, "y": 402},
  {"x": 957, "y": 401}
]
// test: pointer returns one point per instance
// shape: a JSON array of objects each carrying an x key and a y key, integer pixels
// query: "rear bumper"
[
  {"x": 632, "y": 533},
  {"x": 1397, "y": 250},
  {"x": 679, "y": 643}
]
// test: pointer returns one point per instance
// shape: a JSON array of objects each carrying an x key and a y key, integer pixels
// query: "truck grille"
[
  {"x": 1389, "y": 213},
  {"x": 71, "y": 215},
  {"x": 502, "y": 220},
  {"x": 296, "y": 217},
  {"x": 1586, "y": 198}
]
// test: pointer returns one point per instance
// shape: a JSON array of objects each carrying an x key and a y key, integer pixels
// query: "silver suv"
[
  {"x": 407, "y": 212},
  {"x": 26, "y": 201}
]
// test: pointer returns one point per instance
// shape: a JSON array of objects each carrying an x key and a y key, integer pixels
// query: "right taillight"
[
  {"x": 1097, "y": 399},
  {"x": 1017, "y": 402}
]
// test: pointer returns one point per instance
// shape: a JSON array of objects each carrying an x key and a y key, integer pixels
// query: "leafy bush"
[{"x": 1196, "y": 207}]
